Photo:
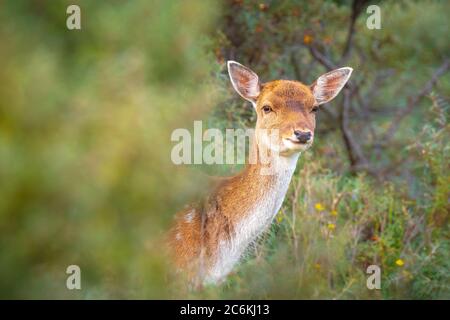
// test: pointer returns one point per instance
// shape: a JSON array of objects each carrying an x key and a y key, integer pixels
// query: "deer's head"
[{"x": 286, "y": 110}]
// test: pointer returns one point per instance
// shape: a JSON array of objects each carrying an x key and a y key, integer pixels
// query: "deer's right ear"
[{"x": 244, "y": 81}]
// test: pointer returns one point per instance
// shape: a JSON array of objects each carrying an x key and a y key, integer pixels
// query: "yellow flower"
[
  {"x": 263, "y": 6},
  {"x": 319, "y": 206},
  {"x": 331, "y": 226},
  {"x": 333, "y": 213},
  {"x": 399, "y": 262},
  {"x": 307, "y": 39},
  {"x": 280, "y": 217}
]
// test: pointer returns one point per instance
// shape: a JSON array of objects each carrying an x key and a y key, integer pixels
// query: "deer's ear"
[
  {"x": 328, "y": 85},
  {"x": 244, "y": 81}
]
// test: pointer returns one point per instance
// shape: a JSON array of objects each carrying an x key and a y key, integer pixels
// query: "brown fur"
[
  {"x": 220, "y": 211},
  {"x": 195, "y": 242}
]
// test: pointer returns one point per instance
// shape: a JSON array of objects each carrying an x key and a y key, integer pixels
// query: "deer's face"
[{"x": 286, "y": 110}]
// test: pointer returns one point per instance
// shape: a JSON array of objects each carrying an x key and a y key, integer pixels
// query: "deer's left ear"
[{"x": 328, "y": 85}]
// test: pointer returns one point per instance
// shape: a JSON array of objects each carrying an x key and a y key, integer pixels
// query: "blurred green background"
[{"x": 85, "y": 123}]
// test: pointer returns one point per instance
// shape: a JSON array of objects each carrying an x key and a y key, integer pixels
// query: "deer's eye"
[
  {"x": 315, "y": 109},
  {"x": 266, "y": 109}
]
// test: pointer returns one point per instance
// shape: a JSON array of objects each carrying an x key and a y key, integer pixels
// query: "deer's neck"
[
  {"x": 270, "y": 181},
  {"x": 263, "y": 194}
]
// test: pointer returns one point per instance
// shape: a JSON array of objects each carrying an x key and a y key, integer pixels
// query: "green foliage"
[{"x": 85, "y": 124}]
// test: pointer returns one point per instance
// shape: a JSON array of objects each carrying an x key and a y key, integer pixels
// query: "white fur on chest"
[{"x": 254, "y": 222}]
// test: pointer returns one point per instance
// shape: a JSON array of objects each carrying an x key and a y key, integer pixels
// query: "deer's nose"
[{"x": 303, "y": 136}]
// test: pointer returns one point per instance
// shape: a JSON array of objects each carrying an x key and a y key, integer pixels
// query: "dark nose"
[{"x": 302, "y": 137}]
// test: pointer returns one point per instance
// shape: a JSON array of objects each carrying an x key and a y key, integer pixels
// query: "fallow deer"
[{"x": 209, "y": 238}]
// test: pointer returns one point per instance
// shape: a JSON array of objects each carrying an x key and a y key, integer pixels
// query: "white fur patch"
[
  {"x": 189, "y": 216},
  {"x": 254, "y": 222}
]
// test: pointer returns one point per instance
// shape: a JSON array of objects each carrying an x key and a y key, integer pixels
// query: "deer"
[{"x": 210, "y": 237}]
